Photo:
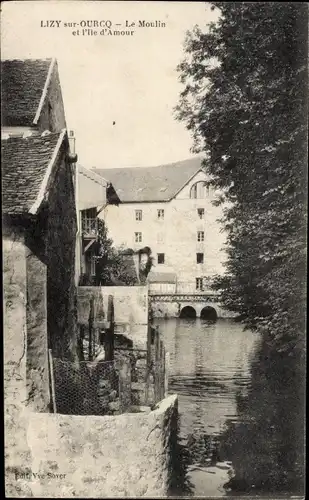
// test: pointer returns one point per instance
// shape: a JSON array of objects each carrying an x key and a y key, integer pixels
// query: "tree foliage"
[
  {"x": 244, "y": 100},
  {"x": 115, "y": 266}
]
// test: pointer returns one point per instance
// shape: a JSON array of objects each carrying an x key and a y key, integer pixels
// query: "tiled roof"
[
  {"x": 22, "y": 84},
  {"x": 25, "y": 162},
  {"x": 85, "y": 172},
  {"x": 151, "y": 183}
]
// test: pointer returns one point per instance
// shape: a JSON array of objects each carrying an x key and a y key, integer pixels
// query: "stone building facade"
[
  {"x": 169, "y": 209},
  {"x": 39, "y": 227}
]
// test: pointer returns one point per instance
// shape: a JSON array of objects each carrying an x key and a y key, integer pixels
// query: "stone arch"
[
  {"x": 187, "y": 312},
  {"x": 209, "y": 313}
]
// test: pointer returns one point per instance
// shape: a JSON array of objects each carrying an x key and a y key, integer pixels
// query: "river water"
[{"x": 229, "y": 440}]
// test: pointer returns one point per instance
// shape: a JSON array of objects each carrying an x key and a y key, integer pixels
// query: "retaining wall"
[
  {"x": 130, "y": 309},
  {"x": 98, "y": 457}
]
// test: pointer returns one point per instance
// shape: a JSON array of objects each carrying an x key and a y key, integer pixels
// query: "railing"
[
  {"x": 191, "y": 288},
  {"x": 181, "y": 287},
  {"x": 89, "y": 226}
]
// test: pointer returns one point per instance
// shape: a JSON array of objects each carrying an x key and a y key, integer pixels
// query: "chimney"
[
  {"x": 72, "y": 157},
  {"x": 72, "y": 142}
]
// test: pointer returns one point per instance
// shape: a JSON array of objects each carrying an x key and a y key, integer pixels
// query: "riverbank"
[{"x": 240, "y": 410}]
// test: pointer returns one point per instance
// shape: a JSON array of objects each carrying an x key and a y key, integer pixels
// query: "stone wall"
[
  {"x": 25, "y": 318},
  {"x": 162, "y": 309},
  {"x": 15, "y": 317},
  {"x": 37, "y": 339},
  {"x": 98, "y": 457},
  {"x": 60, "y": 245},
  {"x": 172, "y": 309},
  {"x": 130, "y": 303},
  {"x": 16, "y": 373},
  {"x": 130, "y": 309}
]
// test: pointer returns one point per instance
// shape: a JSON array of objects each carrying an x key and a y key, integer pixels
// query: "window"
[
  {"x": 200, "y": 236},
  {"x": 161, "y": 214},
  {"x": 199, "y": 283},
  {"x": 161, "y": 258},
  {"x": 200, "y": 258},
  {"x": 138, "y": 237},
  {"x": 201, "y": 213},
  {"x": 138, "y": 215},
  {"x": 199, "y": 190}
]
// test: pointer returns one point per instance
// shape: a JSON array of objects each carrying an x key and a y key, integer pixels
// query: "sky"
[{"x": 129, "y": 80}]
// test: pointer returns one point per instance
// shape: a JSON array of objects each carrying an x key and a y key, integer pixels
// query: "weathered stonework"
[
  {"x": 60, "y": 248},
  {"x": 130, "y": 309},
  {"x": 98, "y": 457},
  {"x": 17, "y": 454},
  {"x": 37, "y": 344},
  {"x": 170, "y": 307}
]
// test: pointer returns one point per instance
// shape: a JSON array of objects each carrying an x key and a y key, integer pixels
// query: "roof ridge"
[
  {"x": 35, "y": 136},
  {"x": 98, "y": 176},
  {"x": 52, "y": 65},
  {"x": 36, "y": 205},
  {"x": 170, "y": 164}
]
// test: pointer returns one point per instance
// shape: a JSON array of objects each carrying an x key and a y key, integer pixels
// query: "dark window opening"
[
  {"x": 201, "y": 213},
  {"x": 200, "y": 258},
  {"x": 138, "y": 237},
  {"x": 138, "y": 215},
  {"x": 160, "y": 213},
  {"x": 161, "y": 258},
  {"x": 199, "y": 284},
  {"x": 200, "y": 236}
]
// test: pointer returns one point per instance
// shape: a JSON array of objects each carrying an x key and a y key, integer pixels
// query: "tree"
[
  {"x": 115, "y": 266},
  {"x": 244, "y": 100}
]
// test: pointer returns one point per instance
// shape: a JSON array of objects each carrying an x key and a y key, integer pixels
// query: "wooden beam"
[
  {"x": 52, "y": 380},
  {"x": 89, "y": 245}
]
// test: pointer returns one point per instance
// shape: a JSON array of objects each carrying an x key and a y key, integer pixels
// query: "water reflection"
[{"x": 227, "y": 391}]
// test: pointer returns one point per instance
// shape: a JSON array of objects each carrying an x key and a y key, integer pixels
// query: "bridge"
[{"x": 190, "y": 305}]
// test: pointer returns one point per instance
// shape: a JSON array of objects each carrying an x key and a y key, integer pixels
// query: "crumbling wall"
[
  {"x": 38, "y": 396},
  {"x": 162, "y": 309},
  {"x": 15, "y": 347},
  {"x": 97, "y": 457}
]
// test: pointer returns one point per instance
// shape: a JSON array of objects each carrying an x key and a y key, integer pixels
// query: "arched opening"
[
  {"x": 200, "y": 190},
  {"x": 188, "y": 312},
  {"x": 209, "y": 313}
]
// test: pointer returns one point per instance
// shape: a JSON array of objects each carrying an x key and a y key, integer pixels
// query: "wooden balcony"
[{"x": 89, "y": 227}]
